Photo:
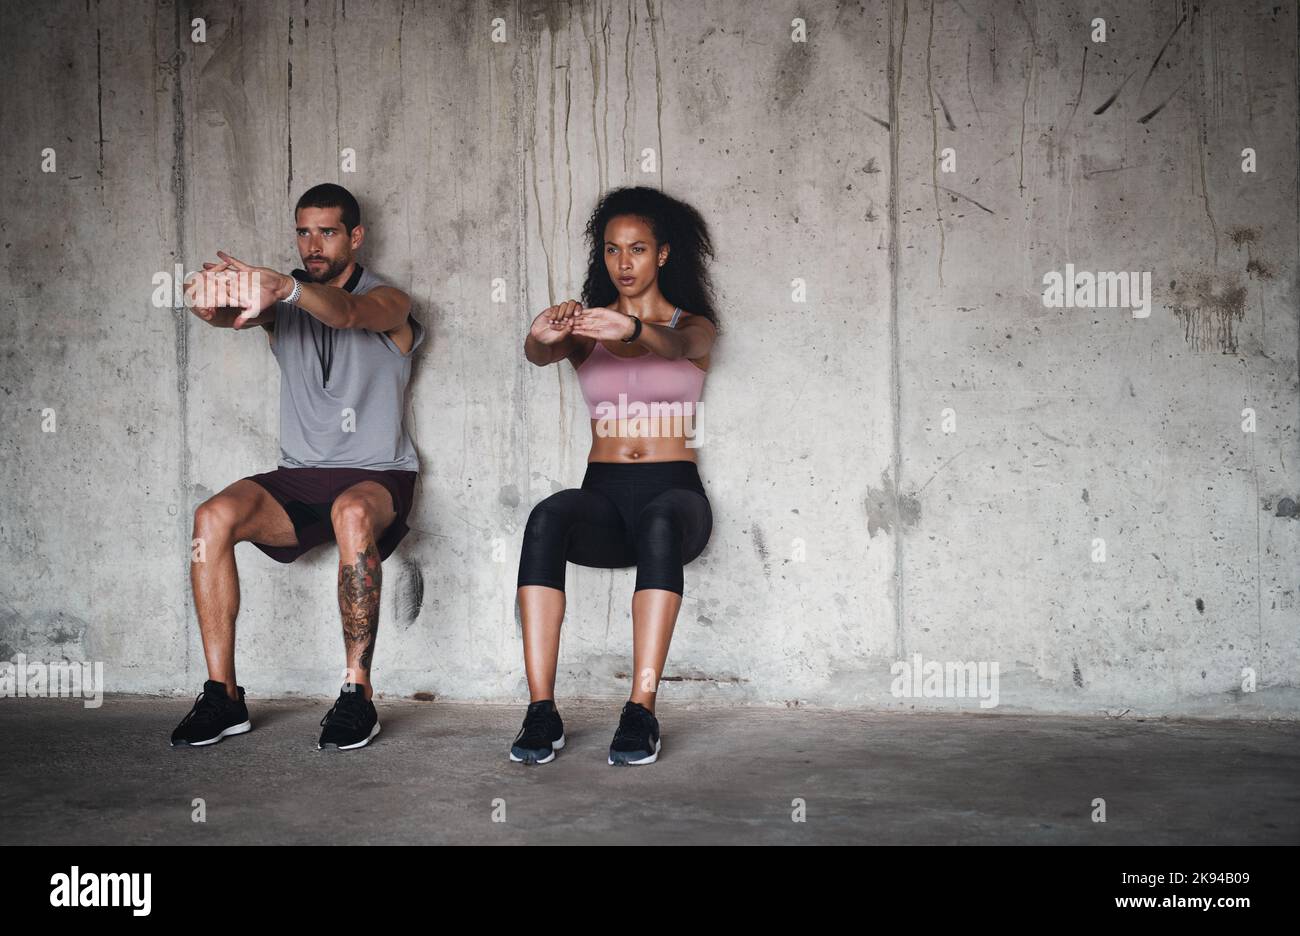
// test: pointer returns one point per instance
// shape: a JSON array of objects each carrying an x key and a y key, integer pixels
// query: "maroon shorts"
[{"x": 306, "y": 494}]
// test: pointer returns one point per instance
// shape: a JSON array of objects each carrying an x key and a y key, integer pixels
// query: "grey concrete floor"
[{"x": 439, "y": 772}]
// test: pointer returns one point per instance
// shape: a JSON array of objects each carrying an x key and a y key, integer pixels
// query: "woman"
[{"x": 640, "y": 342}]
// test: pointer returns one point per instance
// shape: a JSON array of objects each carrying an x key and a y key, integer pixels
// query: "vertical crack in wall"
[
  {"x": 565, "y": 237},
  {"x": 628, "y": 85},
  {"x": 1024, "y": 105},
  {"x": 338, "y": 92},
  {"x": 1295, "y": 268},
  {"x": 525, "y": 97},
  {"x": 1259, "y": 540},
  {"x": 288, "y": 111},
  {"x": 406, "y": 149},
  {"x": 659, "y": 92},
  {"x": 552, "y": 170},
  {"x": 934, "y": 140},
  {"x": 181, "y": 316},
  {"x": 593, "y": 56},
  {"x": 604, "y": 116},
  {"x": 568, "y": 155},
  {"x": 1203, "y": 132},
  {"x": 971, "y": 91},
  {"x": 1083, "y": 73},
  {"x": 894, "y": 75},
  {"x": 535, "y": 85},
  {"x": 99, "y": 100},
  {"x": 1029, "y": 80}
]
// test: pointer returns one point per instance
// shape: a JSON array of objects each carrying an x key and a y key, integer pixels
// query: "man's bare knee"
[
  {"x": 216, "y": 520},
  {"x": 352, "y": 519},
  {"x": 244, "y": 512}
]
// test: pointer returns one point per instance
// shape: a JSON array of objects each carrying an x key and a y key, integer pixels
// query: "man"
[{"x": 347, "y": 468}]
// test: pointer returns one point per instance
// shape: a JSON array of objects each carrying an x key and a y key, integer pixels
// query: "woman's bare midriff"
[
  {"x": 630, "y": 440},
  {"x": 649, "y": 439}
]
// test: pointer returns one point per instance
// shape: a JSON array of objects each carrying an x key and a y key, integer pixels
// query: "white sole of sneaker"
[
  {"x": 555, "y": 746},
  {"x": 232, "y": 730},
  {"x": 362, "y": 743},
  {"x": 645, "y": 760}
]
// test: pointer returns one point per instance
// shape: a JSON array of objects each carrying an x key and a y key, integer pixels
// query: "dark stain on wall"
[
  {"x": 792, "y": 72},
  {"x": 883, "y": 504},
  {"x": 1258, "y": 269},
  {"x": 410, "y": 592},
  {"x": 1210, "y": 305},
  {"x": 45, "y": 631},
  {"x": 1242, "y": 236},
  {"x": 1247, "y": 238},
  {"x": 760, "y": 547}
]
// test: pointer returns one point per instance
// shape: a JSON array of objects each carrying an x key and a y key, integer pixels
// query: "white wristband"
[{"x": 293, "y": 296}]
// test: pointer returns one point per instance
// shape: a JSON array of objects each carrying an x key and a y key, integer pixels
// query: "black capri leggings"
[{"x": 654, "y": 515}]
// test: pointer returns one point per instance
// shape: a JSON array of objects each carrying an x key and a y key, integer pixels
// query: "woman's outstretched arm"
[
  {"x": 693, "y": 340},
  {"x": 550, "y": 338}
]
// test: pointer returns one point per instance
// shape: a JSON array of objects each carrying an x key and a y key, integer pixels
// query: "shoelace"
[
  {"x": 204, "y": 710},
  {"x": 347, "y": 712},
  {"x": 634, "y": 725},
  {"x": 534, "y": 724}
]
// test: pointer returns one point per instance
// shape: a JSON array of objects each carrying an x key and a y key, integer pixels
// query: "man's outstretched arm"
[
  {"x": 382, "y": 309},
  {"x": 225, "y": 318},
  {"x": 204, "y": 304}
]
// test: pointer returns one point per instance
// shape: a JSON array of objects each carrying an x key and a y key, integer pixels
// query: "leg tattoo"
[{"x": 359, "y": 602}]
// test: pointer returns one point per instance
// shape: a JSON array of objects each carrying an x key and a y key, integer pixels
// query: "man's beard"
[{"x": 332, "y": 269}]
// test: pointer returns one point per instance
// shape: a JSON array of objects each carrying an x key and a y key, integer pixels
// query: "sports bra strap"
[{"x": 677, "y": 313}]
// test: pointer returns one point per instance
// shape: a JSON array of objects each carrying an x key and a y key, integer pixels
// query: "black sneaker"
[
  {"x": 352, "y": 722},
  {"x": 637, "y": 738},
  {"x": 541, "y": 736},
  {"x": 214, "y": 716}
]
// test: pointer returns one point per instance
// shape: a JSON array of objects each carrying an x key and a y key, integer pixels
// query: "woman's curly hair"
[{"x": 684, "y": 279}]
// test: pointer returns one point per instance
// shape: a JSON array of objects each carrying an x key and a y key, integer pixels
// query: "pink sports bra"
[{"x": 645, "y": 379}]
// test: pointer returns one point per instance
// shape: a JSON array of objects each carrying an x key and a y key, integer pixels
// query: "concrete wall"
[{"x": 921, "y": 458}]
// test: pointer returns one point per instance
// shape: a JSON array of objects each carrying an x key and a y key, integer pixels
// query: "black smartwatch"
[{"x": 636, "y": 331}]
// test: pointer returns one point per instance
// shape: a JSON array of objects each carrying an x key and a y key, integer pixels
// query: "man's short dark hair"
[{"x": 329, "y": 195}]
